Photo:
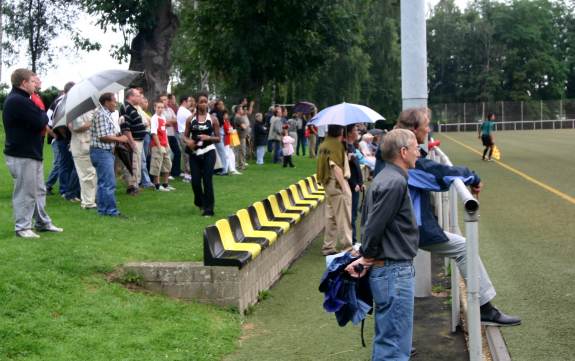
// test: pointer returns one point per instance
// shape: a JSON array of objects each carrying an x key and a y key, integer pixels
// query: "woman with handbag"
[
  {"x": 231, "y": 140},
  {"x": 201, "y": 133}
]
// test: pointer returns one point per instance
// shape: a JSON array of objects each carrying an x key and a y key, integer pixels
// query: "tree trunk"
[{"x": 150, "y": 52}]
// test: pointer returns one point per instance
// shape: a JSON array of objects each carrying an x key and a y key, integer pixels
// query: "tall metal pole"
[
  {"x": 413, "y": 54},
  {"x": 414, "y": 95}
]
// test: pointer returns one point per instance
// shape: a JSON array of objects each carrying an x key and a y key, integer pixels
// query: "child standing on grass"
[
  {"x": 287, "y": 147},
  {"x": 160, "y": 164}
]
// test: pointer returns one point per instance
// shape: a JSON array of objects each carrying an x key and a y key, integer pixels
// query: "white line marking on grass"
[{"x": 518, "y": 172}]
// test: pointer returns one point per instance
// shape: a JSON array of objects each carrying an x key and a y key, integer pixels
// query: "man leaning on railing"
[{"x": 432, "y": 237}]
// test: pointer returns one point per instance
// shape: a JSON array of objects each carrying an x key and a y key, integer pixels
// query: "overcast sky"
[{"x": 84, "y": 64}]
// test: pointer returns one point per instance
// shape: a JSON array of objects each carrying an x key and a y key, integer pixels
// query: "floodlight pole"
[{"x": 414, "y": 95}]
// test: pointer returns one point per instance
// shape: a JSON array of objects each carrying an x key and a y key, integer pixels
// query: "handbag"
[{"x": 234, "y": 139}]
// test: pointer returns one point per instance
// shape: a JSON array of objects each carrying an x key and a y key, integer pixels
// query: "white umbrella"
[
  {"x": 84, "y": 95},
  {"x": 346, "y": 113}
]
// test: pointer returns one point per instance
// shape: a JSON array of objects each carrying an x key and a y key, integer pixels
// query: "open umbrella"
[
  {"x": 303, "y": 107},
  {"x": 346, "y": 113},
  {"x": 84, "y": 95},
  {"x": 375, "y": 132}
]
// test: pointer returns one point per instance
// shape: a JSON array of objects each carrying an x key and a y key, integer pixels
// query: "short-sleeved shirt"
[
  {"x": 182, "y": 115},
  {"x": 487, "y": 127},
  {"x": 133, "y": 122},
  {"x": 158, "y": 127},
  {"x": 102, "y": 126}
]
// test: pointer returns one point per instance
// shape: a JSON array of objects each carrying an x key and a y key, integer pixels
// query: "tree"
[
  {"x": 34, "y": 24},
  {"x": 153, "y": 25},
  {"x": 252, "y": 44}
]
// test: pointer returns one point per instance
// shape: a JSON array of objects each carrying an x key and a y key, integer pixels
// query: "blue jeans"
[
  {"x": 55, "y": 172},
  {"x": 146, "y": 181},
  {"x": 393, "y": 288},
  {"x": 103, "y": 161},
  {"x": 68, "y": 178},
  {"x": 301, "y": 142},
  {"x": 277, "y": 150},
  {"x": 260, "y": 152},
  {"x": 221, "y": 149}
]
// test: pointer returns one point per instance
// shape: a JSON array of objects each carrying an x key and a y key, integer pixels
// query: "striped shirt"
[
  {"x": 133, "y": 122},
  {"x": 102, "y": 126}
]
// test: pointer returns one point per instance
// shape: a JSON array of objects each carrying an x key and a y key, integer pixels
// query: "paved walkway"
[{"x": 291, "y": 324}]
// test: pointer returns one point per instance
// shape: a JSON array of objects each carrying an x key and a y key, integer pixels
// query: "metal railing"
[
  {"x": 446, "y": 204},
  {"x": 513, "y": 125}
]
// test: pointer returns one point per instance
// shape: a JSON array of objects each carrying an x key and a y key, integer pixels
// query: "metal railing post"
[
  {"x": 454, "y": 228},
  {"x": 473, "y": 315}
]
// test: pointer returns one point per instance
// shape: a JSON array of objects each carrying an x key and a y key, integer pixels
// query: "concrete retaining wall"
[{"x": 230, "y": 286}]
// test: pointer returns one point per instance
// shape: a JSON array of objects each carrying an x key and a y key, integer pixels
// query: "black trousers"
[
  {"x": 202, "y": 169},
  {"x": 287, "y": 160},
  {"x": 176, "y": 165}
]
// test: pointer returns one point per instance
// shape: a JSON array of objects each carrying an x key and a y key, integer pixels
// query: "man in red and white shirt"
[{"x": 160, "y": 164}]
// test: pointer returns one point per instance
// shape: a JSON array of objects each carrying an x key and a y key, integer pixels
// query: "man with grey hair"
[
  {"x": 389, "y": 243},
  {"x": 432, "y": 237},
  {"x": 135, "y": 130},
  {"x": 23, "y": 125}
]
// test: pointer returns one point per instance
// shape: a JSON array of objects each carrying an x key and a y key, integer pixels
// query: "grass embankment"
[
  {"x": 526, "y": 236},
  {"x": 57, "y": 305}
]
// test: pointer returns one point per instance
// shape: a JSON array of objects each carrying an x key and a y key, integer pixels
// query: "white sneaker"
[
  {"x": 27, "y": 233},
  {"x": 235, "y": 172},
  {"x": 170, "y": 188},
  {"x": 171, "y": 178},
  {"x": 50, "y": 228},
  {"x": 163, "y": 189}
]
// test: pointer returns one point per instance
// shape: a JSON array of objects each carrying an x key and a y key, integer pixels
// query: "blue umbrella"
[{"x": 346, "y": 113}]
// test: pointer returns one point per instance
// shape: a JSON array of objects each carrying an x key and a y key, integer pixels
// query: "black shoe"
[
  {"x": 207, "y": 213},
  {"x": 491, "y": 316}
]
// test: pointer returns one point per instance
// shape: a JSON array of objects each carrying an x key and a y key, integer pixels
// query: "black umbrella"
[
  {"x": 304, "y": 107},
  {"x": 126, "y": 156}
]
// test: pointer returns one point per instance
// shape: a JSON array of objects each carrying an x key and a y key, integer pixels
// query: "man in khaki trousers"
[
  {"x": 332, "y": 171},
  {"x": 80, "y": 148}
]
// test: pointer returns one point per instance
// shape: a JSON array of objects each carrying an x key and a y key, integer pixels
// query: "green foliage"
[
  {"x": 263, "y": 295},
  {"x": 498, "y": 51},
  {"x": 128, "y": 17},
  {"x": 49, "y": 95},
  {"x": 283, "y": 52},
  {"x": 35, "y": 24},
  {"x": 131, "y": 278}
]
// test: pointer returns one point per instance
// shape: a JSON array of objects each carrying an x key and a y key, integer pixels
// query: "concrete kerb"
[
  {"x": 494, "y": 346},
  {"x": 230, "y": 286}
]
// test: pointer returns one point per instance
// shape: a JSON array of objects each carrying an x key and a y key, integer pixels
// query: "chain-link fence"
[
  {"x": 535, "y": 114},
  {"x": 505, "y": 111}
]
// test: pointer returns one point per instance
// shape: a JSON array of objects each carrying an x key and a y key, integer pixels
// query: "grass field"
[
  {"x": 55, "y": 302},
  {"x": 57, "y": 305},
  {"x": 527, "y": 235}
]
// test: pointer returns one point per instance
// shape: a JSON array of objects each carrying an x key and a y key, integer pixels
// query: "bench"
[{"x": 246, "y": 252}]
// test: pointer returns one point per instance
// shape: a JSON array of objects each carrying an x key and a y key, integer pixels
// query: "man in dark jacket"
[
  {"x": 23, "y": 124},
  {"x": 355, "y": 180},
  {"x": 389, "y": 244},
  {"x": 432, "y": 236}
]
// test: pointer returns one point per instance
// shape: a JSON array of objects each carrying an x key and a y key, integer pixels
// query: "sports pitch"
[{"x": 527, "y": 234}]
